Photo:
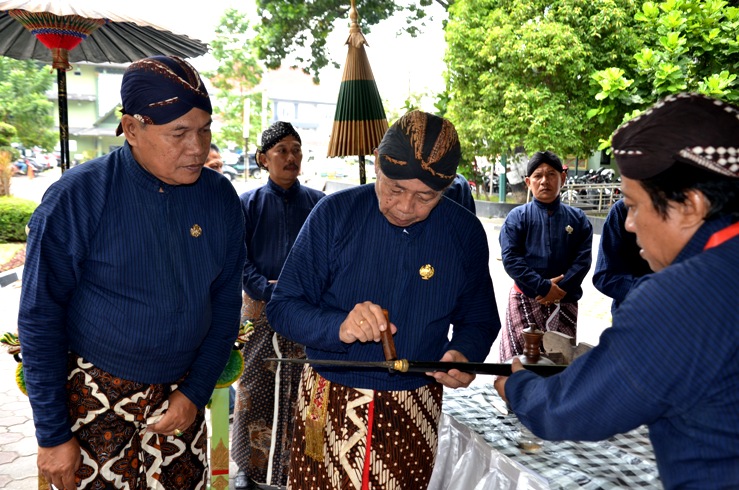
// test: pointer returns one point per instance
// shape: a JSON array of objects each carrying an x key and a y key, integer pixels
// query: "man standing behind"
[
  {"x": 460, "y": 191},
  {"x": 619, "y": 263},
  {"x": 397, "y": 245},
  {"x": 274, "y": 214},
  {"x": 131, "y": 295},
  {"x": 214, "y": 159},
  {"x": 546, "y": 250}
]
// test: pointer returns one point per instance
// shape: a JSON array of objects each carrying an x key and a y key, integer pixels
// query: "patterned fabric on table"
[
  {"x": 623, "y": 461},
  {"x": 335, "y": 423},
  {"x": 108, "y": 415}
]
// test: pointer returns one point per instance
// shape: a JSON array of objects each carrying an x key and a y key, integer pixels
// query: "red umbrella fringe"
[{"x": 58, "y": 33}]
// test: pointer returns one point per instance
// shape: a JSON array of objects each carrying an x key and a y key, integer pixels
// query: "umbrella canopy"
[
  {"x": 83, "y": 30},
  {"x": 360, "y": 121}
]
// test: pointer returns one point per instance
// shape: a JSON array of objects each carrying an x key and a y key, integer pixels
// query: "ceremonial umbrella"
[
  {"x": 360, "y": 121},
  {"x": 83, "y": 30}
]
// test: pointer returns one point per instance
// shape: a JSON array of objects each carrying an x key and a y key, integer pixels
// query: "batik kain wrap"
[
  {"x": 524, "y": 312},
  {"x": 262, "y": 429},
  {"x": 393, "y": 427},
  {"x": 108, "y": 415}
]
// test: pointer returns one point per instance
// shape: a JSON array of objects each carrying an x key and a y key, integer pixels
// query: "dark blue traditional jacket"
[
  {"x": 428, "y": 276},
  {"x": 669, "y": 361},
  {"x": 541, "y": 241},
  {"x": 140, "y": 278}
]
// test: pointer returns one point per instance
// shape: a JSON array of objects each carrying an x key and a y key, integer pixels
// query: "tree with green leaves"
[
  {"x": 686, "y": 45},
  {"x": 518, "y": 71},
  {"x": 23, "y": 102},
  {"x": 238, "y": 73},
  {"x": 8, "y": 155},
  {"x": 300, "y": 28}
]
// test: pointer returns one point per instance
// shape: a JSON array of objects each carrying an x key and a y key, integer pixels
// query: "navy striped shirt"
[
  {"x": 273, "y": 217},
  {"x": 540, "y": 241},
  {"x": 348, "y": 253},
  {"x": 670, "y": 360},
  {"x": 619, "y": 264},
  {"x": 140, "y": 278}
]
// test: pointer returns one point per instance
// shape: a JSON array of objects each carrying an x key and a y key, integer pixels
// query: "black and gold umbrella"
[
  {"x": 83, "y": 30},
  {"x": 360, "y": 121}
]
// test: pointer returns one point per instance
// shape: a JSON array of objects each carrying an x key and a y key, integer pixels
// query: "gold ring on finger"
[{"x": 178, "y": 433}]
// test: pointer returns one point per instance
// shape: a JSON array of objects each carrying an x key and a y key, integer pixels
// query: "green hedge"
[{"x": 14, "y": 216}]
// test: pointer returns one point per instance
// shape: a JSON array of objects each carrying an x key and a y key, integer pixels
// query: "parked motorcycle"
[{"x": 578, "y": 192}]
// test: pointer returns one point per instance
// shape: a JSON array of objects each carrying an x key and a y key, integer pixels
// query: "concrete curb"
[{"x": 8, "y": 277}]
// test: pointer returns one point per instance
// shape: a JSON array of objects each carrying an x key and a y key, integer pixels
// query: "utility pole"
[
  {"x": 245, "y": 134},
  {"x": 501, "y": 179}
]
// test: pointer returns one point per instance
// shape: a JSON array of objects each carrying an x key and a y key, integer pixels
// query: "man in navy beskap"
[
  {"x": 670, "y": 358},
  {"x": 273, "y": 216},
  {"x": 131, "y": 295},
  {"x": 619, "y": 265},
  {"x": 546, "y": 247},
  {"x": 399, "y": 245}
]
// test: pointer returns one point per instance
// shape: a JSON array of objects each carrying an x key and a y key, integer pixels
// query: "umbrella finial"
[
  {"x": 356, "y": 38},
  {"x": 354, "y": 16}
]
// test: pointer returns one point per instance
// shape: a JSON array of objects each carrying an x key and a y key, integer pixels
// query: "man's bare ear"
[
  {"x": 131, "y": 128},
  {"x": 695, "y": 207}
]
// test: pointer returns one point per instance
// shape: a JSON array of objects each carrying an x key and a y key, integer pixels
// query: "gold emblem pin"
[
  {"x": 426, "y": 272},
  {"x": 196, "y": 231},
  {"x": 569, "y": 230}
]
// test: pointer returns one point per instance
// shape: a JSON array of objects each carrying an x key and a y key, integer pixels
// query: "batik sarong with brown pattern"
[
  {"x": 264, "y": 412},
  {"x": 109, "y": 415},
  {"x": 363, "y": 439},
  {"x": 524, "y": 312}
]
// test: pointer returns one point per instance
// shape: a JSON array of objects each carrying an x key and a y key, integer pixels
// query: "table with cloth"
[{"x": 478, "y": 449}]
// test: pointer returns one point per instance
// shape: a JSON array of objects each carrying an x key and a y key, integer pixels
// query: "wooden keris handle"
[{"x": 386, "y": 336}]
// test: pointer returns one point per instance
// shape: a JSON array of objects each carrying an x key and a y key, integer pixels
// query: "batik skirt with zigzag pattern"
[{"x": 363, "y": 439}]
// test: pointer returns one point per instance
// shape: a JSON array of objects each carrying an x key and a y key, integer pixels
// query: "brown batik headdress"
[{"x": 421, "y": 146}]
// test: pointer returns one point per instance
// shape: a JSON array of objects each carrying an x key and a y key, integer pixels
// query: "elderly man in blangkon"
[
  {"x": 398, "y": 245},
  {"x": 131, "y": 295},
  {"x": 670, "y": 359}
]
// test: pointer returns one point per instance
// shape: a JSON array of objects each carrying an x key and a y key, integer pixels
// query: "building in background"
[
  {"x": 293, "y": 97},
  {"x": 93, "y": 92}
]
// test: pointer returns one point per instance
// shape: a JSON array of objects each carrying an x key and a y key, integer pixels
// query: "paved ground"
[{"x": 17, "y": 442}]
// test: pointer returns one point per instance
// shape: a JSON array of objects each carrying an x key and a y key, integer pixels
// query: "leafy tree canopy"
[
  {"x": 518, "y": 71},
  {"x": 237, "y": 74},
  {"x": 685, "y": 45},
  {"x": 300, "y": 28},
  {"x": 23, "y": 102}
]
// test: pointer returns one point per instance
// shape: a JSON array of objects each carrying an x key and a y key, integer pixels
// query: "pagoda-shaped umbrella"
[
  {"x": 55, "y": 31},
  {"x": 360, "y": 120}
]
